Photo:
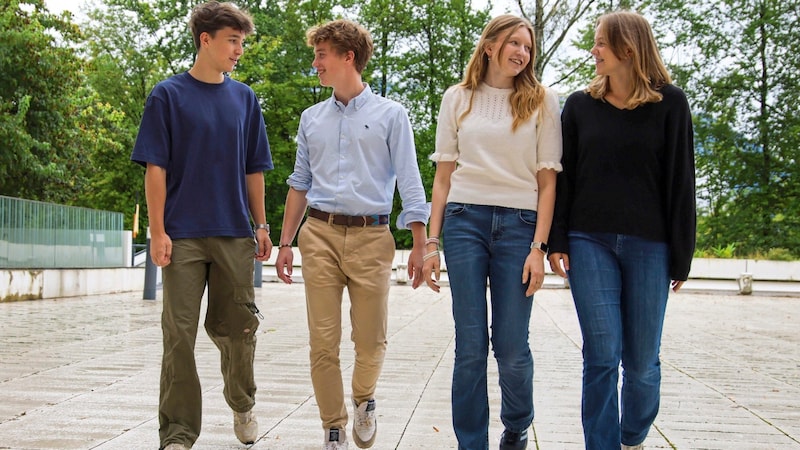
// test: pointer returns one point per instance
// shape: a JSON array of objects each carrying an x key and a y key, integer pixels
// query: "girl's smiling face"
[
  {"x": 513, "y": 57},
  {"x": 605, "y": 61}
]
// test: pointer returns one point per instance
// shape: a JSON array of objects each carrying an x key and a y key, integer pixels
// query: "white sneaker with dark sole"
[
  {"x": 245, "y": 427},
  {"x": 365, "y": 425}
]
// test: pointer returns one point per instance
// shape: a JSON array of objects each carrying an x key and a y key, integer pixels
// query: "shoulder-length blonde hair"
[
  {"x": 628, "y": 34},
  {"x": 528, "y": 93}
]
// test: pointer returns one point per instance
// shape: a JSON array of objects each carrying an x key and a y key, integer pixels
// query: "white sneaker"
[
  {"x": 633, "y": 447},
  {"x": 245, "y": 427},
  {"x": 176, "y": 446},
  {"x": 335, "y": 439},
  {"x": 365, "y": 426}
]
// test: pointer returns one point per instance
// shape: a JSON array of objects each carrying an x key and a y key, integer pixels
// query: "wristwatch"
[
  {"x": 541, "y": 246},
  {"x": 261, "y": 226}
]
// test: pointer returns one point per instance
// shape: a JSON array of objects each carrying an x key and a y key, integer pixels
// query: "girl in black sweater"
[{"x": 624, "y": 226}]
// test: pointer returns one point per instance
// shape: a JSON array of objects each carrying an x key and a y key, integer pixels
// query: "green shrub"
[
  {"x": 728, "y": 251},
  {"x": 724, "y": 252},
  {"x": 780, "y": 254}
]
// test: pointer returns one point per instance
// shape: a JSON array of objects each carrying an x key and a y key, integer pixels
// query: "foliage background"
[{"x": 74, "y": 90}]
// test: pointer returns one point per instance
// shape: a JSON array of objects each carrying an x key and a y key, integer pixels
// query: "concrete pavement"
[{"x": 82, "y": 373}]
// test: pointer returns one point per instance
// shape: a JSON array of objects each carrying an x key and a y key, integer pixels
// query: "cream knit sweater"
[{"x": 496, "y": 166}]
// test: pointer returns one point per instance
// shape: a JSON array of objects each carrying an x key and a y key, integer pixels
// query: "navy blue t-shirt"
[{"x": 207, "y": 137}]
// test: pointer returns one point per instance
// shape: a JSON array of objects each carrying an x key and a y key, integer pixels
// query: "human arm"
[
  {"x": 155, "y": 188},
  {"x": 293, "y": 213},
  {"x": 549, "y": 152},
  {"x": 533, "y": 270},
  {"x": 415, "y": 212},
  {"x": 431, "y": 269},
  {"x": 558, "y": 256},
  {"x": 415, "y": 263},
  {"x": 255, "y": 199},
  {"x": 445, "y": 157},
  {"x": 679, "y": 187}
]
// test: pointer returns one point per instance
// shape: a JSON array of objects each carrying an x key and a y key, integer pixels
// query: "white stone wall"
[{"x": 20, "y": 284}]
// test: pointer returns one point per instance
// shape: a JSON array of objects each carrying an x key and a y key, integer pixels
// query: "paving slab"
[{"x": 82, "y": 373}]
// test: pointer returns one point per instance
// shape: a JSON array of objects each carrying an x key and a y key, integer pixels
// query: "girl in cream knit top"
[{"x": 498, "y": 148}]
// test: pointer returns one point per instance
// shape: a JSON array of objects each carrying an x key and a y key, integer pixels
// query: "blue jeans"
[
  {"x": 480, "y": 243},
  {"x": 620, "y": 285}
]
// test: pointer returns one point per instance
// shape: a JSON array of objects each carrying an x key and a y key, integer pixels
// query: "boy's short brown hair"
[
  {"x": 344, "y": 36},
  {"x": 213, "y": 16}
]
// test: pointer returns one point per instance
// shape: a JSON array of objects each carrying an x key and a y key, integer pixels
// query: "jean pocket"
[
  {"x": 528, "y": 216},
  {"x": 454, "y": 209}
]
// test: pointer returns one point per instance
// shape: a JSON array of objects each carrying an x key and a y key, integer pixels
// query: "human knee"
[
  {"x": 240, "y": 323},
  {"x": 642, "y": 373}
]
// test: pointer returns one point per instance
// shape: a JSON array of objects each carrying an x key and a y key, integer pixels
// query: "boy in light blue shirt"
[{"x": 352, "y": 150}]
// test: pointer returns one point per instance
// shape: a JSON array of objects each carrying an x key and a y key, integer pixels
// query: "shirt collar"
[{"x": 356, "y": 102}]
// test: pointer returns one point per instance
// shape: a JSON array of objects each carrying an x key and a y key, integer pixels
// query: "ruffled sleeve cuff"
[
  {"x": 549, "y": 165},
  {"x": 443, "y": 157}
]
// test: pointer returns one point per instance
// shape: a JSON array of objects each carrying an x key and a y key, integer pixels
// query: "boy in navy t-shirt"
[{"x": 204, "y": 144}]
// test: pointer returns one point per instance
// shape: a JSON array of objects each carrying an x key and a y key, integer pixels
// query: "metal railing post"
[
  {"x": 258, "y": 269},
  {"x": 150, "y": 273}
]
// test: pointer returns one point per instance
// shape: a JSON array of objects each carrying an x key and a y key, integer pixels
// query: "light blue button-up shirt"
[{"x": 349, "y": 158}]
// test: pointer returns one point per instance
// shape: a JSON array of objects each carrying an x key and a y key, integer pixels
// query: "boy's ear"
[{"x": 205, "y": 38}]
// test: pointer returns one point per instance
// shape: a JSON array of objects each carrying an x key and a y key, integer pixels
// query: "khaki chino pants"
[
  {"x": 360, "y": 259},
  {"x": 226, "y": 266}
]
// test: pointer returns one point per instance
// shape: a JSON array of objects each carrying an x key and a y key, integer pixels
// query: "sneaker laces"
[
  {"x": 243, "y": 418},
  {"x": 365, "y": 418}
]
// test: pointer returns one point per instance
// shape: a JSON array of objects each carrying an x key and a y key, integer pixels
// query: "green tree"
[
  {"x": 742, "y": 78},
  {"x": 41, "y": 139},
  {"x": 123, "y": 64}
]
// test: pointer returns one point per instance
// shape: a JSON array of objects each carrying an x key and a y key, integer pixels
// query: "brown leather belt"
[{"x": 349, "y": 221}]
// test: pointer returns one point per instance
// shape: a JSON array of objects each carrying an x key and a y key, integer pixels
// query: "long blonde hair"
[
  {"x": 629, "y": 34},
  {"x": 528, "y": 93}
]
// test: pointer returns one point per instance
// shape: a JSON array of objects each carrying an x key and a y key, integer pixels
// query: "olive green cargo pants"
[{"x": 225, "y": 266}]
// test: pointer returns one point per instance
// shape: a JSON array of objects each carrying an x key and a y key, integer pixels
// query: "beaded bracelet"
[
  {"x": 432, "y": 240},
  {"x": 430, "y": 255}
]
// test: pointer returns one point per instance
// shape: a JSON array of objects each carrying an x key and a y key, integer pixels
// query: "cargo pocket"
[{"x": 246, "y": 312}]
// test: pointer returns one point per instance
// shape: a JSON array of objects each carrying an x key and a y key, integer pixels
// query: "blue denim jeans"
[
  {"x": 620, "y": 285},
  {"x": 489, "y": 243}
]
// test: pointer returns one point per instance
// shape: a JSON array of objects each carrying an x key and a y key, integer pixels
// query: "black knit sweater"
[{"x": 628, "y": 172}]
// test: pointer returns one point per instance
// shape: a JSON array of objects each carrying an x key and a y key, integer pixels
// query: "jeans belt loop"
[{"x": 330, "y": 219}]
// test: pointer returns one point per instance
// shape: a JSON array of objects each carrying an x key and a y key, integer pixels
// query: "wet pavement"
[{"x": 82, "y": 373}]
